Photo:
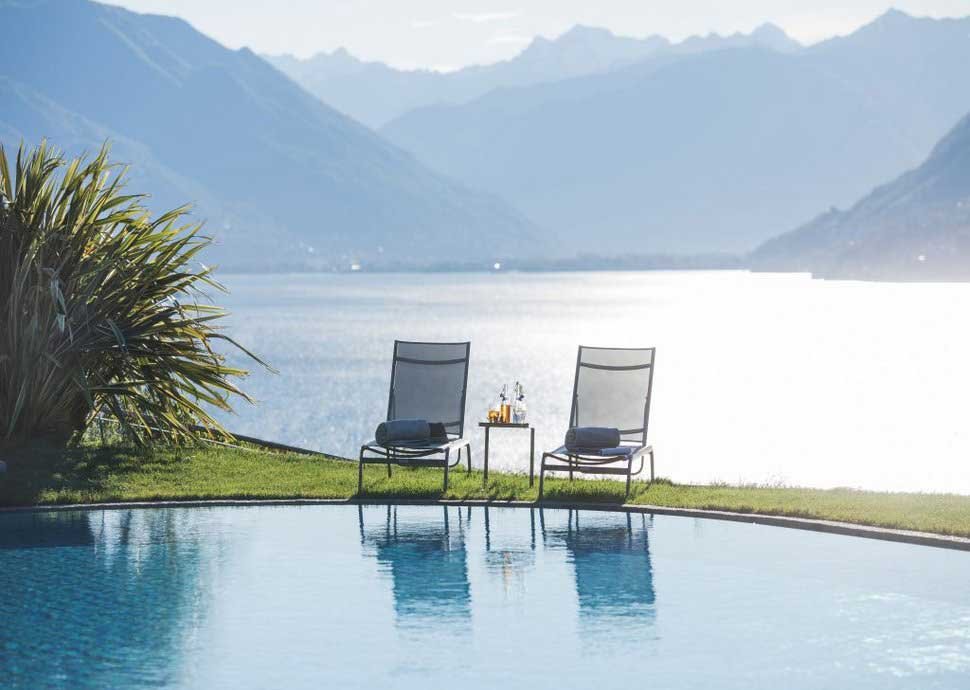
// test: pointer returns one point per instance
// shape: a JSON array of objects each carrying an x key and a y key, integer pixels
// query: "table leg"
[
  {"x": 532, "y": 456},
  {"x": 485, "y": 479}
]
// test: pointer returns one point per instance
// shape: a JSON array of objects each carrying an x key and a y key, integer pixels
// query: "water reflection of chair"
[
  {"x": 427, "y": 563},
  {"x": 611, "y": 561}
]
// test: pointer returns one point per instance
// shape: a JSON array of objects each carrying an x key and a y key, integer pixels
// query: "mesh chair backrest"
[
  {"x": 613, "y": 389},
  {"x": 428, "y": 381}
]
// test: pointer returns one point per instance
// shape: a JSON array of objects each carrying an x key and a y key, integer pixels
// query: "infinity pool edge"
[{"x": 808, "y": 524}]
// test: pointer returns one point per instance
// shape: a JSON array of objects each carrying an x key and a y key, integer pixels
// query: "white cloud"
[
  {"x": 485, "y": 17},
  {"x": 422, "y": 23}
]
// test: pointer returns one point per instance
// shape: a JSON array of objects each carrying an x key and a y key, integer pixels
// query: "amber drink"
[{"x": 506, "y": 413}]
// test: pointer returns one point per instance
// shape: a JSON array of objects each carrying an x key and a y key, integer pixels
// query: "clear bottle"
[
  {"x": 518, "y": 406},
  {"x": 504, "y": 407}
]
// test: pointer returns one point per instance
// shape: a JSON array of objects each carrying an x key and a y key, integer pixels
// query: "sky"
[{"x": 449, "y": 34}]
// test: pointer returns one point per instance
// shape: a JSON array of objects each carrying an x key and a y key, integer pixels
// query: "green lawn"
[{"x": 92, "y": 474}]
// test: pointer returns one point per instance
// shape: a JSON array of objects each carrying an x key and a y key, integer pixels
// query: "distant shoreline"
[
  {"x": 569, "y": 267},
  {"x": 715, "y": 262}
]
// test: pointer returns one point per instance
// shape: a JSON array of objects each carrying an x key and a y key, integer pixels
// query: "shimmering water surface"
[
  {"x": 431, "y": 597},
  {"x": 760, "y": 378}
]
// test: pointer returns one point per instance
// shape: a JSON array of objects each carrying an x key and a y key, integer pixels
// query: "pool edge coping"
[{"x": 808, "y": 524}]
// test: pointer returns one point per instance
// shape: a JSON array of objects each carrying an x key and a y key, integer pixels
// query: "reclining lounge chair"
[
  {"x": 428, "y": 382},
  {"x": 612, "y": 389}
]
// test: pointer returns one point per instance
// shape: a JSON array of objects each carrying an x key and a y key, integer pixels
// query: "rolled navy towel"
[
  {"x": 438, "y": 431},
  {"x": 618, "y": 450},
  {"x": 396, "y": 430},
  {"x": 592, "y": 437}
]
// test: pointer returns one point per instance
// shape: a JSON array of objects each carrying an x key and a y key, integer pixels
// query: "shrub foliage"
[{"x": 103, "y": 308}]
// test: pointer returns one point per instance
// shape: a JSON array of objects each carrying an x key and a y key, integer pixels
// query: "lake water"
[
  {"x": 760, "y": 377},
  {"x": 431, "y": 597}
]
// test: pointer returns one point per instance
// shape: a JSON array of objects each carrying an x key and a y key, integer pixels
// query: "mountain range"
[
  {"x": 588, "y": 145},
  {"x": 916, "y": 227},
  {"x": 375, "y": 93},
  {"x": 715, "y": 151},
  {"x": 283, "y": 180}
]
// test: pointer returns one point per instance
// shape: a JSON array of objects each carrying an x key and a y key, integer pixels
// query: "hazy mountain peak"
[
  {"x": 580, "y": 51},
  {"x": 341, "y": 58},
  {"x": 581, "y": 30},
  {"x": 769, "y": 29},
  {"x": 896, "y": 21},
  {"x": 891, "y": 21},
  {"x": 537, "y": 40},
  {"x": 915, "y": 227},
  {"x": 773, "y": 36},
  {"x": 894, "y": 15},
  {"x": 376, "y": 93},
  {"x": 767, "y": 35},
  {"x": 582, "y": 36}
]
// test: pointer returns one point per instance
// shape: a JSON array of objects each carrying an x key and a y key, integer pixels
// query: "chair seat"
[
  {"x": 413, "y": 451},
  {"x": 564, "y": 454}
]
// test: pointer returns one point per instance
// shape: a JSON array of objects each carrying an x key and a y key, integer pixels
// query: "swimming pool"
[{"x": 430, "y": 597}]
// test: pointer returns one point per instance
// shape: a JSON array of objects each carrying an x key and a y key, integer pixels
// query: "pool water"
[{"x": 430, "y": 597}]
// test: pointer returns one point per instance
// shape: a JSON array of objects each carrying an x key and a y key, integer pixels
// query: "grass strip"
[{"x": 44, "y": 476}]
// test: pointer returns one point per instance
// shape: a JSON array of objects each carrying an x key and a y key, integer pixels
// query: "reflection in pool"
[
  {"x": 97, "y": 600},
  {"x": 611, "y": 564},
  {"x": 419, "y": 597},
  {"x": 427, "y": 564}
]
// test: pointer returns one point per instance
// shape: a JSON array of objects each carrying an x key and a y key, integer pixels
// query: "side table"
[{"x": 488, "y": 426}]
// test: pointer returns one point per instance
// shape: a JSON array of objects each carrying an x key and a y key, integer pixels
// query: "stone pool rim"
[{"x": 808, "y": 524}]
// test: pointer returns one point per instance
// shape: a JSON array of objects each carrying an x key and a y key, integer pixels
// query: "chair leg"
[
  {"x": 542, "y": 478},
  {"x": 360, "y": 476},
  {"x": 469, "y": 449},
  {"x": 629, "y": 478},
  {"x": 651, "y": 466},
  {"x": 446, "y": 472}
]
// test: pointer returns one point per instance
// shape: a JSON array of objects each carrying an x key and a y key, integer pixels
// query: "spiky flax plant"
[{"x": 103, "y": 308}]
